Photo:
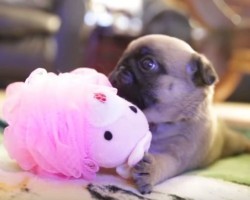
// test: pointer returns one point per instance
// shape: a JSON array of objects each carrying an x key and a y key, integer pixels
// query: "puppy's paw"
[{"x": 143, "y": 174}]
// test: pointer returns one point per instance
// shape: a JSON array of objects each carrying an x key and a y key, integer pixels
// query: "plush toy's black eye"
[
  {"x": 108, "y": 135},
  {"x": 148, "y": 64},
  {"x": 133, "y": 108}
]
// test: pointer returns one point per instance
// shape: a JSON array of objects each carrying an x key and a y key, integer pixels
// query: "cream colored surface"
[
  {"x": 237, "y": 114},
  {"x": 18, "y": 185}
]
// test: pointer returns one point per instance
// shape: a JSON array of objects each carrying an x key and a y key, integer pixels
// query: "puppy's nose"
[{"x": 125, "y": 76}]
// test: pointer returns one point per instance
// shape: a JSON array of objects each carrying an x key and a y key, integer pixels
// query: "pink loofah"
[{"x": 71, "y": 124}]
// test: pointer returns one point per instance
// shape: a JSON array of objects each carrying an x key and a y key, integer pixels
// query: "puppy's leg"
[
  {"x": 152, "y": 169},
  {"x": 234, "y": 143},
  {"x": 179, "y": 154},
  {"x": 182, "y": 154}
]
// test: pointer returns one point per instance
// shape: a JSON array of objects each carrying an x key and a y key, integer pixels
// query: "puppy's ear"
[{"x": 201, "y": 71}]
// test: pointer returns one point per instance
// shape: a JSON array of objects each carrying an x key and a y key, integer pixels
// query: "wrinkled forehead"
[{"x": 174, "y": 53}]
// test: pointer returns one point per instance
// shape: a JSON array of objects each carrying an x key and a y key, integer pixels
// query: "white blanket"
[{"x": 16, "y": 184}]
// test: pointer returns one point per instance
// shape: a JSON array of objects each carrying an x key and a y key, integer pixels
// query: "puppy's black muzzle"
[{"x": 124, "y": 76}]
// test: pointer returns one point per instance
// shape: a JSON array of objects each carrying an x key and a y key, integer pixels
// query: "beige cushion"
[{"x": 19, "y": 21}]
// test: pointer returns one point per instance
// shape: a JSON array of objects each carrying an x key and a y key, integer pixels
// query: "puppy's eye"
[{"x": 148, "y": 64}]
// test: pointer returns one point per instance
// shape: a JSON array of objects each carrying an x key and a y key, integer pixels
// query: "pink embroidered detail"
[{"x": 100, "y": 97}]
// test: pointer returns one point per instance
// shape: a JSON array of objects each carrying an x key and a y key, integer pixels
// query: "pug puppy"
[{"x": 174, "y": 86}]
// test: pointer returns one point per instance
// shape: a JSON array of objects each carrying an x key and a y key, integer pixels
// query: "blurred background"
[{"x": 61, "y": 35}]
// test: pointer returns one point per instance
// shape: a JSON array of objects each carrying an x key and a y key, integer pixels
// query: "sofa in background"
[{"x": 44, "y": 33}]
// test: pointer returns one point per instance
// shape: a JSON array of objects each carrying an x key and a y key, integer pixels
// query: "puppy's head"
[{"x": 163, "y": 75}]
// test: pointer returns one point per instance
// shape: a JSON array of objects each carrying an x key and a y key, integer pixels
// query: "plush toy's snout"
[{"x": 136, "y": 155}]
